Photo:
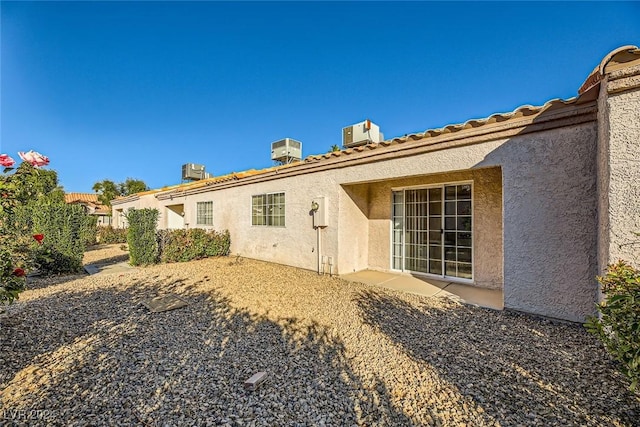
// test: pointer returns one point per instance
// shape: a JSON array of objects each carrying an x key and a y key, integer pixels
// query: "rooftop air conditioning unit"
[
  {"x": 286, "y": 150},
  {"x": 361, "y": 133},
  {"x": 193, "y": 172}
]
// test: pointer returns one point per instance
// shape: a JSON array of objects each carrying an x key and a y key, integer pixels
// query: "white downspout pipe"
[{"x": 319, "y": 249}]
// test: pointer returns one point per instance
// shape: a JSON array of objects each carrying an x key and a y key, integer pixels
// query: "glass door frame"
[{"x": 442, "y": 216}]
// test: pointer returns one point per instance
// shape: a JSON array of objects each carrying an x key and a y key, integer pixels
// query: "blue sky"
[{"x": 116, "y": 90}]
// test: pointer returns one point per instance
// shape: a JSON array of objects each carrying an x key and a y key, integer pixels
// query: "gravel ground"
[{"x": 80, "y": 351}]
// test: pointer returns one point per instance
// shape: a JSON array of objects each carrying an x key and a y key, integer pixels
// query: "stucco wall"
[
  {"x": 296, "y": 243},
  {"x": 549, "y": 193},
  {"x": 146, "y": 201},
  {"x": 602, "y": 185},
  {"x": 174, "y": 216},
  {"x": 353, "y": 223},
  {"x": 620, "y": 179},
  {"x": 165, "y": 206}
]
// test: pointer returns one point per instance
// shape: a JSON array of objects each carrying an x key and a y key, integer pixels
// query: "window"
[
  {"x": 204, "y": 213},
  {"x": 268, "y": 209},
  {"x": 104, "y": 220},
  {"x": 432, "y": 230}
]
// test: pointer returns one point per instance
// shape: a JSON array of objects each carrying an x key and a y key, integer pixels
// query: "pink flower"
[
  {"x": 36, "y": 159},
  {"x": 38, "y": 237},
  {"x": 6, "y": 161}
]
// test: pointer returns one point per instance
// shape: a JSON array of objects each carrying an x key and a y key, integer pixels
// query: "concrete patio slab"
[
  {"x": 483, "y": 297},
  {"x": 466, "y": 294}
]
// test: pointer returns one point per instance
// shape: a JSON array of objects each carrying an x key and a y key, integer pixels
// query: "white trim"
[{"x": 391, "y": 234}]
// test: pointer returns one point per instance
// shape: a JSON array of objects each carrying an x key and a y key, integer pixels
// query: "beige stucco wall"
[
  {"x": 174, "y": 216},
  {"x": 548, "y": 215},
  {"x": 169, "y": 207},
  {"x": 353, "y": 221},
  {"x": 487, "y": 217},
  {"x": 619, "y": 176},
  {"x": 602, "y": 186},
  {"x": 145, "y": 201},
  {"x": 295, "y": 244}
]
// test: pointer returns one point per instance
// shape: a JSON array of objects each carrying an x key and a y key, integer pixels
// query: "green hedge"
[
  {"x": 619, "y": 324},
  {"x": 64, "y": 230},
  {"x": 107, "y": 235},
  {"x": 90, "y": 230},
  {"x": 141, "y": 236},
  {"x": 195, "y": 243},
  {"x": 148, "y": 246}
]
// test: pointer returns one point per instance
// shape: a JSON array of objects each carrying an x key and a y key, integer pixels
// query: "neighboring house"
[
  {"x": 91, "y": 205},
  {"x": 535, "y": 202}
]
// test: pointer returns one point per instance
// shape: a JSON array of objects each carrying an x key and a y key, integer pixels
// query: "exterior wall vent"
[
  {"x": 286, "y": 150},
  {"x": 193, "y": 172},
  {"x": 361, "y": 133}
]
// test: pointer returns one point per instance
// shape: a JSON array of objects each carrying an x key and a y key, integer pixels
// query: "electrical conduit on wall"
[{"x": 319, "y": 231}]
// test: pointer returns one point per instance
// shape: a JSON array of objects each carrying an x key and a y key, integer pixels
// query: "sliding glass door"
[{"x": 432, "y": 230}]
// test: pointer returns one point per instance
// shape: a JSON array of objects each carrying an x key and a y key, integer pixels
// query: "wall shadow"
[
  {"x": 111, "y": 260},
  {"x": 44, "y": 281},
  {"x": 550, "y": 211},
  {"x": 98, "y": 247},
  {"x": 519, "y": 369},
  {"x": 100, "y": 356}
]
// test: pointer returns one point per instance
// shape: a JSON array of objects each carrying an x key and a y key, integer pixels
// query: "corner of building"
[{"x": 618, "y": 162}]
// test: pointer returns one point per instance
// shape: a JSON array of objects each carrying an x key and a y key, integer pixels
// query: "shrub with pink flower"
[
  {"x": 16, "y": 246},
  {"x": 34, "y": 158},
  {"x": 6, "y": 161}
]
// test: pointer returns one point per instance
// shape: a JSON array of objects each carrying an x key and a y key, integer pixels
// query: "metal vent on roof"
[
  {"x": 361, "y": 133},
  {"x": 193, "y": 172},
  {"x": 286, "y": 150}
]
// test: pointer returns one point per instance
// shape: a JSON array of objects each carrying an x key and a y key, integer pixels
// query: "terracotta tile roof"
[
  {"x": 523, "y": 111},
  {"x": 88, "y": 199},
  {"x": 613, "y": 60},
  {"x": 233, "y": 176},
  {"x": 81, "y": 198},
  {"x": 422, "y": 138},
  {"x": 619, "y": 56},
  {"x": 136, "y": 196},
  {"x": 102, "y": 210}
]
